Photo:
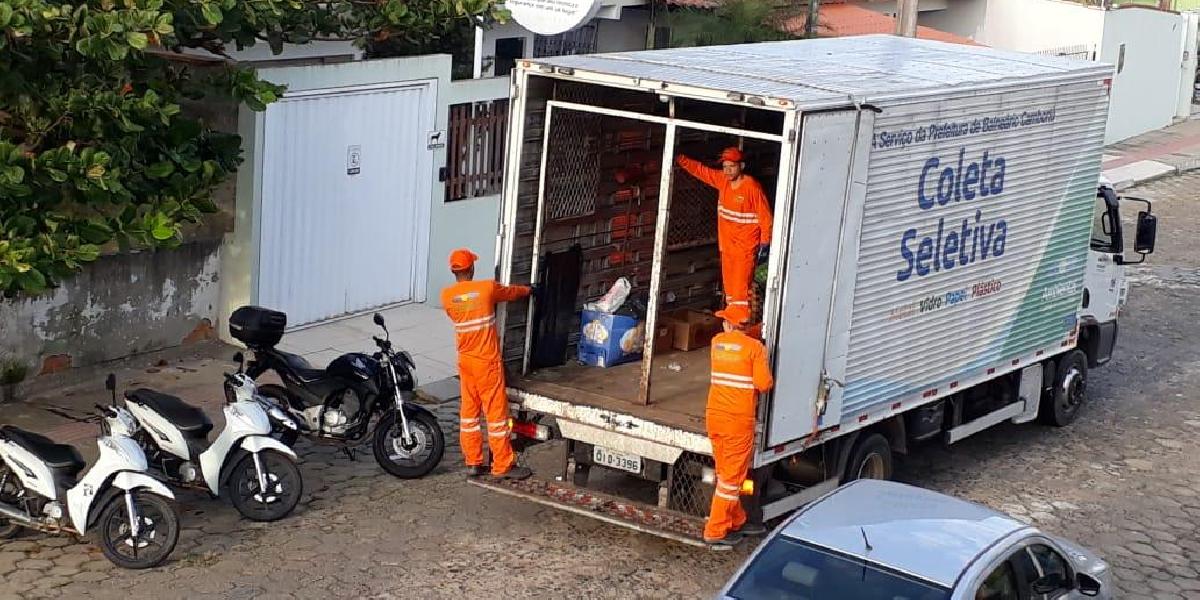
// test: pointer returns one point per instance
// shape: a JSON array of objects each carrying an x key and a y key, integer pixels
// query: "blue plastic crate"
[{"x": 608, "y": 340}]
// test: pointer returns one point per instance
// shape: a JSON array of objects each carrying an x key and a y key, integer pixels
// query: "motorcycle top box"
[{"x": 257, "y": 327}]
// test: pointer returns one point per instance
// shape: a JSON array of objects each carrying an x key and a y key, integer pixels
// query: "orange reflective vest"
[
  {"x": 471, "y": 305},
  {"x": 739, "y": 373}
]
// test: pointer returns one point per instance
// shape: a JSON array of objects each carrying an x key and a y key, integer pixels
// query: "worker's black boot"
[
  {"x": 752, "y": 529},
  {"x": 517, "y": 473},
  {"x": 730, "y": 540}
]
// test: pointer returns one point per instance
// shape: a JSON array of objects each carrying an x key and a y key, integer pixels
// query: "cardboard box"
[
  {"x": 692, "y": 329},
  {"x": 608, "y": 340},
  {"x": 664, "y": 338}
]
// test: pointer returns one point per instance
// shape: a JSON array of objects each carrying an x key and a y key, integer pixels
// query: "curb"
[{"x": 1187, "y": 167}]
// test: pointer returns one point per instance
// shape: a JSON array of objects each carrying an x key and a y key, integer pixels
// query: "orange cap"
[
  {"x": 462, "y": 259},
  {"x": 731, "y": 155},
  {"x": 735, "y": 315}
]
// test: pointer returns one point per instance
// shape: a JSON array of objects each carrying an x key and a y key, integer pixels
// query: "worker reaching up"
[
  {"x": 743, "y": 221},
  {"x": 471, "y": 305},
  {"x": 739, "y": 373}
]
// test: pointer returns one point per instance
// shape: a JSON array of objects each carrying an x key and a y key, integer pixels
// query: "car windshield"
[{"x": 787, "y": 569}]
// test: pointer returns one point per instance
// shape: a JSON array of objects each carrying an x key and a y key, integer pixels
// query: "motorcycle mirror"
[
  {"x": 379, "y": 320},
  {"x": 110, "y": 384}
]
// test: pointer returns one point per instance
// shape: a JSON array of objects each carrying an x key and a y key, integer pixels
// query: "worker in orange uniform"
[
  {"x": 739, "y": 374},
  {"x": 743, "y": 221},
  {"x": 471, "y": 305}
]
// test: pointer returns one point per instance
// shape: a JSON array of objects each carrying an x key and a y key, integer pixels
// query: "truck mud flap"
[{"x": 611, "y": 509}]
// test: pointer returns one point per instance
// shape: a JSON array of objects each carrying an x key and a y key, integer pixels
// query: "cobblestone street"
[{"x": 1122, "y": 480}]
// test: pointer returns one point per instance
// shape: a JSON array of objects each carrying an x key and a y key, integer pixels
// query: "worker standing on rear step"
[
  {"x": 739, "y": 373},
  {"x": 743, "y": 221},
  {"x": 471, "y": 305}
]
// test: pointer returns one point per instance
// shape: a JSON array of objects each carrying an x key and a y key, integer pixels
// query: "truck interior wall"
[{"x": 601, "y": 199}]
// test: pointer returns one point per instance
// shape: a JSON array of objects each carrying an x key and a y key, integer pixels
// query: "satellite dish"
[{"x": 552, "y": 17}]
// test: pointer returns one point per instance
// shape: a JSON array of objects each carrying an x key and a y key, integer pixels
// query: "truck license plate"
[{"x": 616, "y": 460}]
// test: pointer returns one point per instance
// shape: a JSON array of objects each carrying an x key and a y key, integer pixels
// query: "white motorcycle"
[
  {"x": 257, "y": 472},
  {"x": 133, "y": 512}
]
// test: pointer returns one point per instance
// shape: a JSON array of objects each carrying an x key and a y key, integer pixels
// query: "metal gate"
[{"x": 345, "y": 174}]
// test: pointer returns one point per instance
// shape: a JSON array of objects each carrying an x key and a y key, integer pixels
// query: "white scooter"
[
  {"x": 257, "y": 472},
  {"x": 133, "y": 512}
]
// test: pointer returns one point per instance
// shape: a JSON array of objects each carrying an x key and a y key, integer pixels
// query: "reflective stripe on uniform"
[
  {"x": 498, "y": 430},
  {"x": 741, "y": 382},
  {"x": 737, "y": 217},
  {"x": 475, "y": 324},
  {"x": 733, "y": 376},
  {"x": 475, "y": 429},
  {"x": 733, "y": 384}
]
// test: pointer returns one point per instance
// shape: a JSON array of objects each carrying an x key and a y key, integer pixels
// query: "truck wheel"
[
  {"x": 870, "y": 459},
  {"x": 1061, "y": 405}
]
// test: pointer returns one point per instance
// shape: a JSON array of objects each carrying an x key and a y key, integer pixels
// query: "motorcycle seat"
[
  {"x": 184, "y": 416},
  {"x": 301, "y": 367},
  {"x": 60, "y": 457}
]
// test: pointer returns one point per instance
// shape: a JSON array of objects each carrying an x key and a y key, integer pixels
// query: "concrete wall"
[
  {"x": 1145, "y": 88},
  {"x": 1039, "y": 25},
  {"x": 118, "y": 306},
  {"x": 960, "y": 17},
  {"x": 628, "y": 33}
]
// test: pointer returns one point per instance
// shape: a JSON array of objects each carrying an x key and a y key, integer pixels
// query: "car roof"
[{"x": 920, "y": 532}]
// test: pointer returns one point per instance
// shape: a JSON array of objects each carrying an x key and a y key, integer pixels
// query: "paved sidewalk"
[{"x": 1169, "y": 151}]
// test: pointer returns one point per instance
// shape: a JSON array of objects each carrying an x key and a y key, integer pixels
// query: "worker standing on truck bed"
[
  {"x": 471, "y": 305},
  {"x": 739, "y": 373},
  {"x": 743, "y": 221}
]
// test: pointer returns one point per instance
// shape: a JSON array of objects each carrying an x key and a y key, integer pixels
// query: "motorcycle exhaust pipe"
[{"x": 13, "y": 514}]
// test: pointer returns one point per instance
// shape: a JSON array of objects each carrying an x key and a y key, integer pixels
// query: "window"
[
  {"x": 1106, "y": 232},
  {"x": 662, "y": 37},
  {"x": 508, "y": 52},
  {"x": 788, "y": 569},
  {"x": 1001, "y": 584},
  {"x": 1041, "y": 562}
]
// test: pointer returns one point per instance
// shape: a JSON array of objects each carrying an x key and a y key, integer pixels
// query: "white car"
[{"x": 880, "y": 540}]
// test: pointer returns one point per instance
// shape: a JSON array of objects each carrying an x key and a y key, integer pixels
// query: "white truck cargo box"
[{"x": 934, "y": 206}]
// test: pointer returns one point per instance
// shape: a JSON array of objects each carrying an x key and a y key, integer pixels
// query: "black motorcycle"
[{"x": 338, "y": 405}]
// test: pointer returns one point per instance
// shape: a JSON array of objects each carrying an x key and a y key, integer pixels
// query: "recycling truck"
[{"x": 943, "y": 259}]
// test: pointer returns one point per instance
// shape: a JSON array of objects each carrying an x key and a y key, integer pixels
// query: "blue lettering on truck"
[{"x": 955, "y": 244}]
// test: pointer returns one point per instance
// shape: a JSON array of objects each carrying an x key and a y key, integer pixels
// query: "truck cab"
[{"x": 1105, "y": 287}]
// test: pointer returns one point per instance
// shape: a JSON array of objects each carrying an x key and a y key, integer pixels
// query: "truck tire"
[
  {"x": 1060, "y": 406},
  {"x": 870, "y": 459}
]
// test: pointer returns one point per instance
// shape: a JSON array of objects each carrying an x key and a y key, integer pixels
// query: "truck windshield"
[{"x": 787, "y": 569}]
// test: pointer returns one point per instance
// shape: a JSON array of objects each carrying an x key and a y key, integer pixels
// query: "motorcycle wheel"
[
  {"x": 403, "y": 460},
  {"x": 8, "y": 529},
  {"x": 155, "y": 540},
  {"x": 280, "y": 396},
  {"x": 284, "y": 486}
]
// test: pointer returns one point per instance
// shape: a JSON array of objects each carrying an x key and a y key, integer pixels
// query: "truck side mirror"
[{"x": 1147, "y": 231}]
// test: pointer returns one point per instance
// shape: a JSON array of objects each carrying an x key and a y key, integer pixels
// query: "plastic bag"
[{"x": 613, "y": 299}]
